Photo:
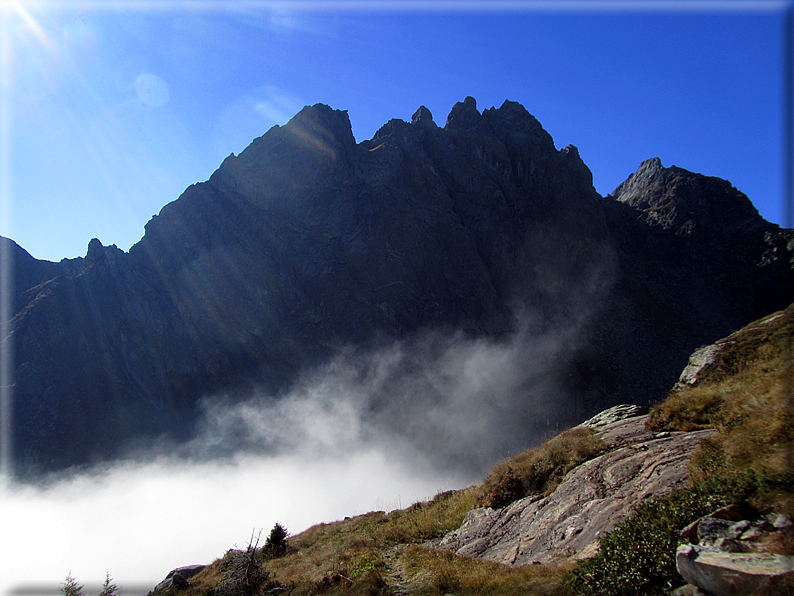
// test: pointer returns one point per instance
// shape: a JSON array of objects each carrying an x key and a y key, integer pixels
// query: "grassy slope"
[{"x": 746, "y": 396}]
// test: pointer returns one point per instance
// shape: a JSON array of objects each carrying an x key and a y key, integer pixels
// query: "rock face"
[
  {"x": 308, "y": 242},
  {"x": 591, "y": 500}
]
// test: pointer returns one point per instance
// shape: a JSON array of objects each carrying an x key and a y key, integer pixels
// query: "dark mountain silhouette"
[{"x": 308, "y": 243}]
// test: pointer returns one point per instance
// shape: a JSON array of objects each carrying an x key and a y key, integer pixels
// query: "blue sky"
[{"x": 111, "y": 109}]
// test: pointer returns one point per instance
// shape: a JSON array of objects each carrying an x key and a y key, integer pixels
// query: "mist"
[
  {"x": 139, "y": 521},
  {"x": 375, "y": 430}
]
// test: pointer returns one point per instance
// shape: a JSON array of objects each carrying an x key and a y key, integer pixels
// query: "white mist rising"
[{"x": 367, "y": 431}]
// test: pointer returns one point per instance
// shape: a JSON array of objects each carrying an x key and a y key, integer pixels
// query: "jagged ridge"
[{"x": 308, "y": 242}]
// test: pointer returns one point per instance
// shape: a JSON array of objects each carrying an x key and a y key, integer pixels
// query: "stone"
[
  {"x": 710, "y": 529},
  {"x": 614, "y": 414},
  {"x": 699, "y": 361},
  {"x": 781, "y": 520},
  {"x": 688, "y": 590},
  {"x": 733, "y": 574},
  {"x": 178, "y": 577}
]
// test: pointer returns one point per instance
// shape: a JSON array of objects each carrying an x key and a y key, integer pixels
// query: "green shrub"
[
  {"x": 109, "y": 588},
  {"x": 638, "y": 556}
]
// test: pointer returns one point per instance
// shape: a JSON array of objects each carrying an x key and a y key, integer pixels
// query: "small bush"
[
  {"x": 109, "y": 588},
  {"x": 243, "y": 575},
  {"x": 507, "y": 489}
]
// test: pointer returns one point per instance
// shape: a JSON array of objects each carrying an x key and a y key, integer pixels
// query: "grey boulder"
[{"x": 734, "y": 574}]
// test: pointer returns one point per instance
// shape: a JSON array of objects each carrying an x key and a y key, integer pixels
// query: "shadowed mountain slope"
[{"x": 309, "y": 243}]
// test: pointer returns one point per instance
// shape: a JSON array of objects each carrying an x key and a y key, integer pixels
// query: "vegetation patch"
[
  {"x": 433, "y": 572},
  {"x": 745, "y": 396},
  {"x": 541, "y": 469},
  {"x": 638, "y": 556}
]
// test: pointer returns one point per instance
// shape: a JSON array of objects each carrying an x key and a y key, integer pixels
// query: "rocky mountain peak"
[
  {"x": 422, "y": 115},
  {"x": 307, "y": 243},
  {"x": 464, "y": 116},
  {"x": 681, "y": 201},
  {"x": 289, "y": 159}
]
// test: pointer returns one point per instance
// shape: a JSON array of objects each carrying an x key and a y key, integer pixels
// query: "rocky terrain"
[
  {"x": 308, "y": 243},
  {"x": 644, "y": 513},
  {"x": 592, "y": 499}
]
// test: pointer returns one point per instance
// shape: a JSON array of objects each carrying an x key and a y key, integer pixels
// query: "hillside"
[
  {"x": 308, "y": 245},
  {"x": 745, "y": 434}
]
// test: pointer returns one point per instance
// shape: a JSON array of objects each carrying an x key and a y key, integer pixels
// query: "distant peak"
[
  {"x": 653, "y": 164},
  {"x": 679, "y": 200}
]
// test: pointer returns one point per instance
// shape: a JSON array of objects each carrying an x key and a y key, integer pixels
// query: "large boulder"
[
  {"x": 178, "y": 577},
  {"x": 731, "y": 553},
  {"x": 723, "y": 573}
]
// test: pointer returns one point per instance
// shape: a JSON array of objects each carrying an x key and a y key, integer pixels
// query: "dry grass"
[
  {"x": 433, "y": 572},
  {"x": 541, "y": 469},
  {"x": 351, "y": 555},
  {"x": 374, "y": 552},
  {"x": 747, "y": 397}
]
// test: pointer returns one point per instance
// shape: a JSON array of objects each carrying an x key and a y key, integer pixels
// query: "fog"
[
  {"x": 367, "y": 431},
  {"x": 138, "y": 521}
]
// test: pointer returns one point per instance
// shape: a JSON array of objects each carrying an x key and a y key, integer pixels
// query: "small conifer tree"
[
  {"x": 70, "y": 587},
  {"x": 276, "y": 543},
  {"x": 109, "y": 588}
]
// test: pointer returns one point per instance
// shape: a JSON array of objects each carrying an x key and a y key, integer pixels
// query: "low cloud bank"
[
  {"x": 139, "y": 521},
  {"x": 368, "y": 431}
]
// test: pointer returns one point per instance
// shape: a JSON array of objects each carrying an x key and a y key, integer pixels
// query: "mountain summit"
[{"x": 309, "y": 244}]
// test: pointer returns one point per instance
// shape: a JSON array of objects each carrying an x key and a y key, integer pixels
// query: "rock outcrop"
[
  {"x": 731, "y": 555},
  {"x": 178, "y": 577},
  {"x": 308, "y": 242},
  {"x": 591, "y": 500}
]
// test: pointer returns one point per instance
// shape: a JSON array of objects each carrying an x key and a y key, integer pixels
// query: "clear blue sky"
[{"x": 113, "y": 108}]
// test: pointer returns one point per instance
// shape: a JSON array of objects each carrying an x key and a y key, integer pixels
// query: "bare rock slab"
[
  {"x": 591, "y": 500},
  {"x": 734, "y": 574}
]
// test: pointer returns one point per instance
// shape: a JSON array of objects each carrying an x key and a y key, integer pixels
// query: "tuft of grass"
[{"x": 541, "y": 469}]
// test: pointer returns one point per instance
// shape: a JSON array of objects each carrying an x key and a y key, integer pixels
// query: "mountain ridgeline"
[{"x": 308, "y": 245}]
